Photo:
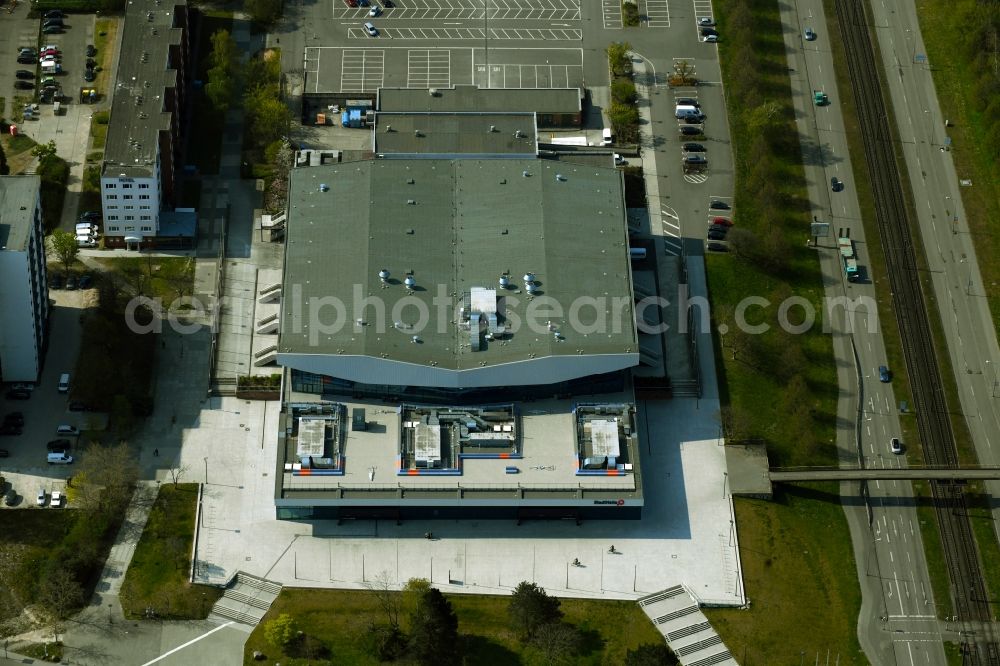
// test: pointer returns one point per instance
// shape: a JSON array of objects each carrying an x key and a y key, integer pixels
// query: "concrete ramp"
[{"x": 687, "y": 631}]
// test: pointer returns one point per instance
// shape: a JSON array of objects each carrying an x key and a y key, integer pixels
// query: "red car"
[
  {"x": 723, "y": 221},
  {"x": 55, "y": 52},
  {"x": 351, "y": 3}
]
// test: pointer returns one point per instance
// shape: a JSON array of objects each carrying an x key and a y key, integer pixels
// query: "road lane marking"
[{"x": 190, "y": 642}]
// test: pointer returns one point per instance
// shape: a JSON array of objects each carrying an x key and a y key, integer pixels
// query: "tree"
[
  {"x": 63, "y": 245},
  {"x": 618, "y": 59},
  {"x": 44, "y": 151},
  {"x": 624, "y": 121},
  {"x": 630, "y": 13},
  {"x": 623, "y": 91},
  {"x": 280, "y": 631},
  {"x": 434, "y": 630},
  {"x": 268, "y": 115},
  {"x": 219, "y": 89},
  {"x": 59, "y": 593},
  {"x": 109, "y": 472},
  {"x": 222, "y": 75},
  {"x": 530, "y": 608},
  {"x": 413, "y": 592},
  {"x": 263, "y": 12},
  {"x": 388, "y": 599},
  {"x": 225, "y": 52},
  {"x": 651, "y": 654},
  {"x": 177, "y": 472},
  {"x": 558, "y": 642}
]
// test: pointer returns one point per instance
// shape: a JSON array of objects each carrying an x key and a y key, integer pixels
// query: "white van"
[
  {"x": 86, "y": 228},
  {"x": 86, "y": 241},
  {"x": 61, "y": 458},
  {"x": 606, "y": 138},
  {"x": 64, "y": 382}
]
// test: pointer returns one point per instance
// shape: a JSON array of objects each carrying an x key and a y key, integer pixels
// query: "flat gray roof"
[
  {"x": 18, "y": 195},
  {"x": 457, "y": 226},
  {"x": 454, "y": 134},
  {"x": 137, "y": 115},
  {"x": 485, "y": 100}
]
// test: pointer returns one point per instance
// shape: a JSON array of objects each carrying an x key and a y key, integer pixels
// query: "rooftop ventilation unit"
[
  {"x": 529, "y": 278},
  {"x": 525, "y": 174},
  {"x": 504, "y": 282},
  {"x": 518, "y": 134},
  {"x": 388, "y": 128},
  {"x": 416, "y": 132},
  {"x": 323, "y": 187},
  {"x": 561, "y": 178},
  {"x": 433, "y": 92},
  {"x": 493, "y": 128},
  {"x": 410, "y": 282},
  {"x": 415, "y": 339},
  {"x": 383, "y": 275},
  {"x": 149, "y": 16},
  {"x": 532, "y": 287}
]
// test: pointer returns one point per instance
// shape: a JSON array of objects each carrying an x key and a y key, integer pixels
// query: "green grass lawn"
[
  {"x": 158, "y": 575},
  {"x": 104, "y": 43},
  {"x": 943, "y": 26},
  {"x": 340, "y": 618},
  {"x": 781, "y": 388},
  {"x": 797, "y": 563},
  {"x": 28, "y": 535},
  {"x": 157, "y": 277},
  {"x": 984, "y": 529}
]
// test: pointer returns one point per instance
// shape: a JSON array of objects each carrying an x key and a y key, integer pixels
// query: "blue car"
[{"x": 884, "y": 375}]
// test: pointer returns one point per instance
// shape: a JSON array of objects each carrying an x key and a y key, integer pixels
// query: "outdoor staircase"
[
  {"x": 269, "y": 293},
  {"x": 685, "y": 388},
  {"x": 223, "y": 386},
  {"x": 246, "y": 599},
  {"x": 266, "y": 356},
  {"x": 268, "y": 324}
]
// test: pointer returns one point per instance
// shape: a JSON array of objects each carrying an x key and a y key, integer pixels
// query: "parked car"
[
  {"x": 689, "y": 130},
  {"x": 836, "y": 184},
  {"x": 708, "y": 32},
  {"x": 351, "y": 3},
  {"x": 374, "y": 11},
  {"x": 706, "y": 21},
  {"x": 88, "y": 75},
  {"x": 722, "y": 221},
  {"x": 4, "y": 453},
  {"x": 24, "y": 85},
  {"x": 90, "y": 216},
  {"x": 388, "y": 4},
  {"x": 619, "y": 160},
  {"x": 717, "y": 204},
  {"x": 90, "y": 63},
  {"x": 895, "y": 445},
  {"x": 717, "y": 247},
  {"x": 29, "y": 59},
  {"x": 59, "y": 445},
  {"x": 71, "y": 283},
  {"x": 693, "y": 148},
  {"x": 24, "y": 74},
  {"x": 710, "y": 39},
  {"x": 91, "y": 50},
  {"x": 18, "y": 394},
  {"x": 50, "y": 50},
  {"x": 884, "y": 374},
  {"x": 810, "y": 35},
  {"x": 86, "y": 281},
  {"x": 14, "y": 418},
  {"x": 687, "y": 101},
  {"x": 56, "y": 501},
  {"x": 716, "y": 235},
  {"x": 692, "y": 160},
  {"x": 372, "y": 30},
  {"x": 22, "y": 386},
  {"x": 40, "y": 498},
  {"x": 10, "y": 497},
  {"x": 56, "y": 282},
  {"x": 54, "y": 13}
]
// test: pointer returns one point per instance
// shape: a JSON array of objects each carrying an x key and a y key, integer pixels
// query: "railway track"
[{"x": 934, "y": 425}]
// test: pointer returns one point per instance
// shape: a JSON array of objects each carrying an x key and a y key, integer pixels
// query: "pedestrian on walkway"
[{"x": 156, "y": 453}]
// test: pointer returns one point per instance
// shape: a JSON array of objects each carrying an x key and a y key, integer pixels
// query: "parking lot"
[
  {"x": 25, "y": 468},
  {"x": 542, "y": 10},
  {"x": 332, "y": 69}
]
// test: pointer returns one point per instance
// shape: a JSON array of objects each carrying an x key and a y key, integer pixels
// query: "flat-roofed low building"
[
  {"x": 554, "y": 107},
  {"x": 556, "y": 459},
  {"x": 455, "y": 135},
  {"x": 447, "y": 279},
  {"x": 24, "y": 294}
]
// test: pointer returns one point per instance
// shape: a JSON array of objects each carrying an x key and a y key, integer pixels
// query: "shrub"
[{"x": 281, "y": 630}]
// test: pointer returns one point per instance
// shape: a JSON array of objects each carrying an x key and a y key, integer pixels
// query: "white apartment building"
[{"x": 24, "y": 291}]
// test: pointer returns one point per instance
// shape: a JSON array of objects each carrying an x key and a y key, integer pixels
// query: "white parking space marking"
[
  {"x": 657, "y": 13},
  {"x": 670, "y": 226},
  {"x": 544, "y": 10},
  {"x": 427, "y": 68},
  {"x": 702, "y": 9},
  {"x": 611, "y": 10},
  {"x": 362, "y": 70},
  {"x": 696, "y": 177},
  {"x": 504, "y": 75},
  {"x": 310, "y": 65},
  {"x": 555, "y": 34}
]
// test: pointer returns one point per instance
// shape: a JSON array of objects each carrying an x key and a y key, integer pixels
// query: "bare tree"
[
  {"x": 387, "y": 597},
  {"x": 177, "y": 472},
  {"x": 59, "y": 594},
  {"x": 110, "y": 471}
]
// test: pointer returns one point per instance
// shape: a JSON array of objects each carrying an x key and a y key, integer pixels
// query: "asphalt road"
[
  {"x": 950, "y": 248},
  {"x": 898, "y": 622}
]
